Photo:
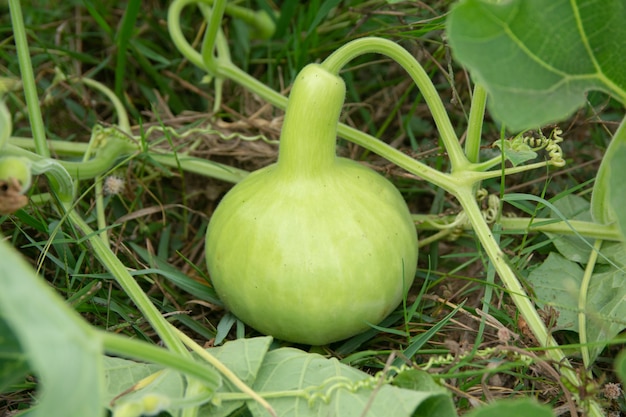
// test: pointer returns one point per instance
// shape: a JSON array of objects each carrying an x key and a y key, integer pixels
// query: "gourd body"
[{"x": 312, "y": 257}]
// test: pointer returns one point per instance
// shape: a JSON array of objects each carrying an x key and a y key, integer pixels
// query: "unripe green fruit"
[{"x": 314, "y": 248}]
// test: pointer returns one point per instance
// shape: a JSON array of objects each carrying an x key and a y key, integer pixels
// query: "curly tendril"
[
  {"x": 324, "y": 392},
  {"x": 549, "y": 144}
]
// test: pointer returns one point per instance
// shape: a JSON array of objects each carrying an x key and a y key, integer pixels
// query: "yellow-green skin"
[
  {"x": 314, "y": 248},
  {"x": 312, "y": 261}
]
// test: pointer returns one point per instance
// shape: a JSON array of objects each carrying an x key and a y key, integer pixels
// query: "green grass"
[{"x": 158, "y": 218}]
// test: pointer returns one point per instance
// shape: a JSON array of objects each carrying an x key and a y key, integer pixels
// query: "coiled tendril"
[{"x": 550, "y": 144}]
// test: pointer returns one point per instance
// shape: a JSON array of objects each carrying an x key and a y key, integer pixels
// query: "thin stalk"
[
  {"x": 582, "y": 303},
  {"x": 399, "y": 158},
  {"x": 260, "y": 20},
  {"x": 426, "y": 241},
  {"x": 100, "y": 216},
  {"x": 497, "y": 160},
  {"x": 163, "y": 328},
  {"x": 212, "y": 42},
  {"x": 338, "y": 59},
  {"x": 201, "y": 166},
  {"x": 571, "y": 227},
  {"x": 6, "y": 122},
  {"x": 60, "y": 180},
  {"x": 525, "y": 225},
  {"x": 519, "y": 296},
  {"x": 215, "y": 49},
  {"x": 28, "y": 79},
  {"x": 88, "y": 169},
  {"x": 106, "y": 159},
  {"x": 176, "y": 33},
  {"x": 59, "y": 147},
  {"x": 141, "y": 351},
  {"x": 244, "y": 79},
  {"x": 122, "y": 115},
  {"x": 214, "y": 25},
  {"x": 230, "y": 375},
  {"x": 475, "y": 124}
]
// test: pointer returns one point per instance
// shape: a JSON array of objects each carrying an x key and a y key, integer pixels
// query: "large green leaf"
[
  {"x": 122, "y": 374},
  {"x": 557, "y": 283},
  {"x": 538, "y": 58},
  {"x": 578, "y": 248},
  {"x": 243, "y": 357},
  {"x": 13, "y": 360},
  {"x": 609, "y": 193},
  {"x": 295, "y": 383},
  {"x": 314, "y": 386},
  {"x": 62, "y": 350}
]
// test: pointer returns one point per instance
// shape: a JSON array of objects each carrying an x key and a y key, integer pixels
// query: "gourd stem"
[
  {"x": 308, "y": 137},
  {"x": 351, "y": 50},
  {"x": 176, "y": 33},
  {"x": 524, "y": 304}
]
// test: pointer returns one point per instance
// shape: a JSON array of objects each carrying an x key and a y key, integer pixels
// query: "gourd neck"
[{"x": 309, "y": 134}]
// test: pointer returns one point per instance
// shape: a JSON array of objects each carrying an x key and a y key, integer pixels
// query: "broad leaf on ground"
[
  {"x": 13, "y": 361},
  {"x": 577, "y": 248},
  {"x": 557, "y": 283},
  {"x": 295, "y": 383},
  {"x": 62, "y": 350},
  {"x": 314, "y": 386},
  {"x": 574, "y": 248},
  {"x": 538, "y": 59},
  {"x": 122, "y": 374},
  {"x": 243, "y": 357}
]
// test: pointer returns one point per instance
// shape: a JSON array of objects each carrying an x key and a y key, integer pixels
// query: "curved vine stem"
[
  {"x": 130, "y": 286},
  {"x": 176, "y": 33},
  {"x": 122, "y": 115},
  {"x": 519, "y": 296},
  {"x": 338, "y": 59}
]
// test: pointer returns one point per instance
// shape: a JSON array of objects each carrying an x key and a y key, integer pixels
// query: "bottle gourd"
[{"x": 314, "y": 248}]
